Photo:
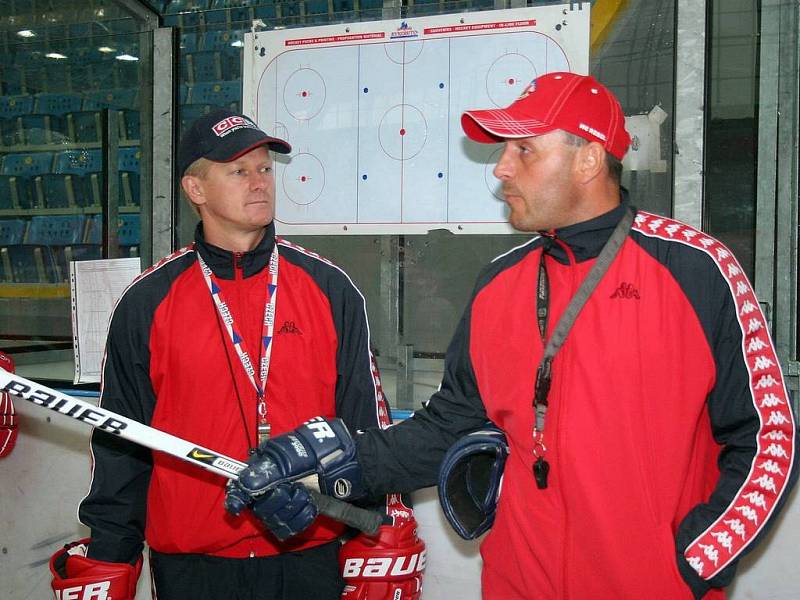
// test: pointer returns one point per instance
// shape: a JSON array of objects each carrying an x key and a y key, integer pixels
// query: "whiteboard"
[{"x": 372, "y": 111}]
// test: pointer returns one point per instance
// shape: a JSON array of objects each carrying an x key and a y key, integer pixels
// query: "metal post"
[
  {"x": 787, "y": 187},
  {"x": 110, "y": 198},
  {"x": 690, "y": 47},
  {"x": 164, "y": 125}
]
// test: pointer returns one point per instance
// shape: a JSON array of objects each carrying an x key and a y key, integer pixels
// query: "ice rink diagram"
[{"x": 372, "y": 111}]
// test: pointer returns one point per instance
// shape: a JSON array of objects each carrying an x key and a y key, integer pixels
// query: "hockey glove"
[
  {"x": 75, "y": 576},
  {"x": 286, "y": 509},
  {"x": 319, "y": 446},
  {"x": 470, "y": 480},
  {"x": 8, "y": 417},
  {"x": 387, "y": 565}
]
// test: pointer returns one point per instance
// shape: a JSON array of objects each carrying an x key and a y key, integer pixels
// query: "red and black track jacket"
[
  {"x": 669, "y": 434},
  {"x": 166, "y": 365}
]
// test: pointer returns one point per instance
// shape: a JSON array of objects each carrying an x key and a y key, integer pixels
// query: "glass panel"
[
  {"x": 416, "y": 287},
  {"x": 732, "y": 128},
  {"x": 634, "y": 56},
  {"x": 62, "y": 70}
]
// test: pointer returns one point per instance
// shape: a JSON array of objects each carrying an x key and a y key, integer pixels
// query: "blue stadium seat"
[
  {"x": 63, "y": 235},
  {"x": 128, "y": 165},
  {"x": 56, "y": 104},
  {"x": 85, "y": 126},
  {"x": 184, "y": 13},
  {"x": 56, "y": 230},
  {"x": 221, "y": 40},
  {"x": 265, "y": 12},
  {"x": 190, "y": 112},
  {"x": 15, "y": 80},
  {"x": 217, "y": 93},
  {"x": 37, "y": 130},
  {"x": 231, "y": 11},
  {"x": 75, "y": 180},
  {"x": 129, "y": 233},
  {"x": 370, "y": 7},
  {"x": 317, "y": 11},
  {"x": 205, "y": 65},
  {"x": 113, "y": 98},
  {"x": 12, "y": 231},
  {"x": 13, "y": 106},
  {"x": 29, "y": 263},
  {"x": 189, "y": 42},
  {"x": 9, "y": 134},
  {"x": 343, "y": 6},
  {"x": 20, "y": 177}
]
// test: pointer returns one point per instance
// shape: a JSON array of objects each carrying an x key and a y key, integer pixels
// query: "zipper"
[{"x": 238, "y": 270}]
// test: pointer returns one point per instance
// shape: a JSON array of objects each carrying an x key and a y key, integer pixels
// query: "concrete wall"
[{"x": 45, "y": 477}]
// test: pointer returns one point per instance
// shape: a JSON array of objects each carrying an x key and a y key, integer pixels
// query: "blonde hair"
[{"x": 199, "y": 169}]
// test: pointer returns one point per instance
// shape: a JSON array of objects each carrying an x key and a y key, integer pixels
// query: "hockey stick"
[{"x": 111, "y": 422}]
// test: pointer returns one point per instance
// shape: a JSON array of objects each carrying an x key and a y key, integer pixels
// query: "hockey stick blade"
[{"x": 105, "y": 420}]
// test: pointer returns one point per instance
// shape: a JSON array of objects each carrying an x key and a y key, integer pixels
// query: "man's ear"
[
  {"x": 590, "y": 161},
  {"x": 193, "y": 188}
]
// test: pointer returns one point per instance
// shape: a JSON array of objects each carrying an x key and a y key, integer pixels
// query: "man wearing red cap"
[
  {"x": 645, "y": 434},
  {"x": 236, "y": 338}
]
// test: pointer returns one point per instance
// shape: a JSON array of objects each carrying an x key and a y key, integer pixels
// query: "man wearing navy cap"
[
  {"x": 641, "y": 422},
  {"x": 236, "y": 338}
]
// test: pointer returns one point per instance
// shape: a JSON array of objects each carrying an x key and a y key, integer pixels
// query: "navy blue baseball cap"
[{"x": 222, "y": 136}]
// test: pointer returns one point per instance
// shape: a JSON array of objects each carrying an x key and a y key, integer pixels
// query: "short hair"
[
  {"x": 198, "y": 168},
  {"x": 613, "y": 164}
]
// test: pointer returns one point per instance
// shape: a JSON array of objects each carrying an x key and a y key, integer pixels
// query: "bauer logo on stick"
[{"x": 67, "y": 406}]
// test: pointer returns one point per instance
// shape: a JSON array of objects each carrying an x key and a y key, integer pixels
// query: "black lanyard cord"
[{"x": 544, "y": 371}]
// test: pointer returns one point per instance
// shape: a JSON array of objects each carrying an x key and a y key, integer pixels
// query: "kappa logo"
[
  {"x": 627, "y": 291},
  {"x": 290, "y": 327},
  {"x": 91, "y": 591}
]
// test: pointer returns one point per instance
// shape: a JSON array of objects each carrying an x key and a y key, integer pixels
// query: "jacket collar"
[
  {"x": 222, "y": 262},
  {"x": 586, "y": 239}
]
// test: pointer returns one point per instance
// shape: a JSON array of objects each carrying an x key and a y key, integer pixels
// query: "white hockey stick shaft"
[{"x": 155, "y": 439}]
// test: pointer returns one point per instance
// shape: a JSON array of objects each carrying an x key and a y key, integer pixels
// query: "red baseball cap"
[{"x": 575, "y": 103}]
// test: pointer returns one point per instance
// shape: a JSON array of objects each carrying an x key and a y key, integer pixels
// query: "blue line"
[{"x": 80, "y": 393}]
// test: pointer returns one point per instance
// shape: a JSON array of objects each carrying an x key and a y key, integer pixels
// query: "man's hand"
[
  {"x": 286, "y": 509},
  {"x": 319, "y": 446}
]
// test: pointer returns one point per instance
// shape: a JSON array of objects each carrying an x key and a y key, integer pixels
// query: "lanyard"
[
  {"x": 268, "y": 326},
  {"x": 544, "y": 373}
]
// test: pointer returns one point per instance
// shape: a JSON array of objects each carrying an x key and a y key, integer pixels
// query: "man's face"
[
  {"x": 537, "y": 182},
  {"x": 239, "y": 196}
]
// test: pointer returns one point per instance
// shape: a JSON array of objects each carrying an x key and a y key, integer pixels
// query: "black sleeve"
[
  {"x": 751, "y": 418},
  {"x": 359, "y": 397},
  {"x": 115, "y": 508},
  {"x": 407, "y": 456}
]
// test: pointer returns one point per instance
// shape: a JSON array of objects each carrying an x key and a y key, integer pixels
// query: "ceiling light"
[
  {"x": 106, "y": 49},
  {"x": 126, "y": 57},
  {"x": 237, "y": 44},
  {"x": 55, "y": 55},
  {"x": 26, "y": 33}
]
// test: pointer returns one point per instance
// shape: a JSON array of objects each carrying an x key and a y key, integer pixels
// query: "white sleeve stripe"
[
  {"x": 381, "y": 416},
  {"x": 753, "y": 504}
]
